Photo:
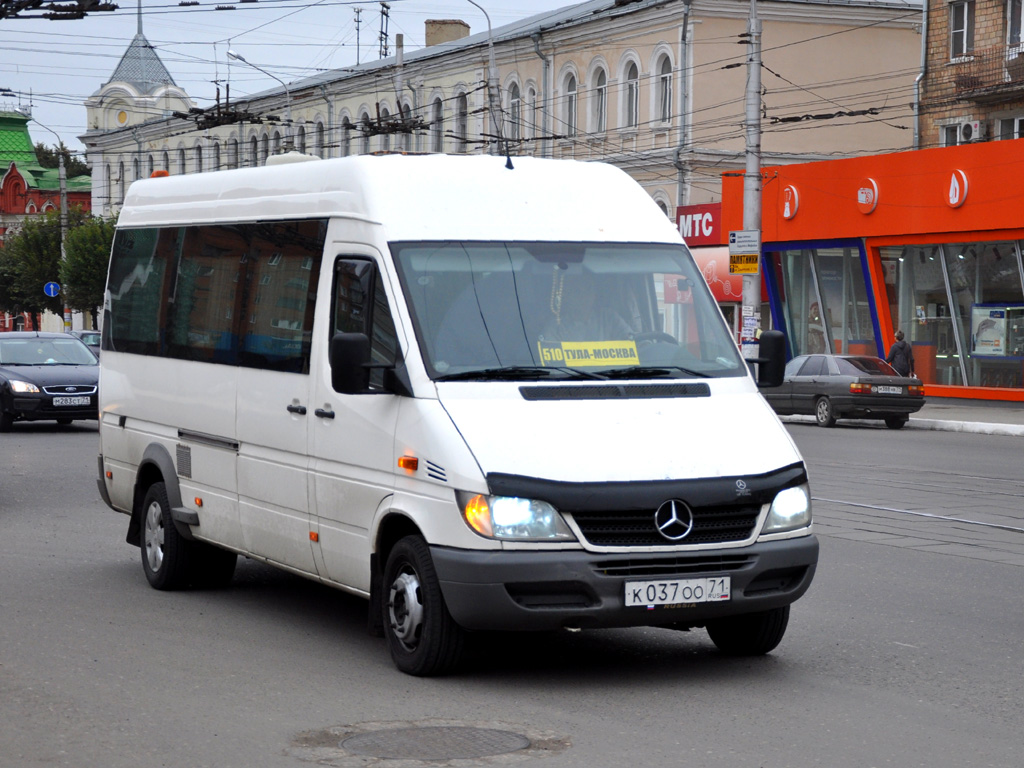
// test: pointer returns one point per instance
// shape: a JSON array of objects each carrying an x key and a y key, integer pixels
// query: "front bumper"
[
  {"x": 40, "y": 407},
  {"x": 554, "y": 589}
]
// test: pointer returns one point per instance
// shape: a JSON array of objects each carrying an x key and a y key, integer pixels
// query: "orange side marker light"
[
  {"x": 199, "y": 501},
  {"x": 408, "y": 463},
  {"x": 314, "y": 536}
]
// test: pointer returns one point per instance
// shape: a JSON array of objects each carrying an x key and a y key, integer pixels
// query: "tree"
[
  {"x": 50, "y": 158},
  {"x": 84, "y": 271},
  {"x": 29, "y": 260}
]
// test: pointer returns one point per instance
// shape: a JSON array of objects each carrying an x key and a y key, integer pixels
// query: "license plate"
[
  {"x": 672, "y": 591},
  {"x": 71, "y": 401},
  {"x": 889, "y": 390}
]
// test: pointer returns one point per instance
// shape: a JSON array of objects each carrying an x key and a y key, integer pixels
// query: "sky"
[{"x": 54, "y": 66}]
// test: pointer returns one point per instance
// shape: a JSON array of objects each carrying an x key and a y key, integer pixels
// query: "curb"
[{"x": 933, "y": 425}]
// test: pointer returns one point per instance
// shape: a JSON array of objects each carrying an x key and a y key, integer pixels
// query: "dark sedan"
[
  {"x": 831, "y": 387},
  {"x": 46, "y": 376}
]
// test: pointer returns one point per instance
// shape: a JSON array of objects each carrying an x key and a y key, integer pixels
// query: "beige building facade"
[{"x": 656, "y": 87}]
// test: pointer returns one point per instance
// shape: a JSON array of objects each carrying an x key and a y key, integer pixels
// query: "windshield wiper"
[
  {"x": 651, "y": 372},
  {"x": 518, "y": 372}
]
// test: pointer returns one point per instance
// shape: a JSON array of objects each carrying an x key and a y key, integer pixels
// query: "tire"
[
  {"x": 64, "y": 421},
  {"x": 823, "y": 413},
  {"x": 753, "y": 634},
  {"x": 421, "y": 635},
  {"x": 165, "y": 553},
  {"x": 6, "y": 421},
  {"x": 895, "y": 422}
]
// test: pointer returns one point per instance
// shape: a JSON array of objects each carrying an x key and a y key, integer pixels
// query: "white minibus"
[{"x": 482, "y": 397}]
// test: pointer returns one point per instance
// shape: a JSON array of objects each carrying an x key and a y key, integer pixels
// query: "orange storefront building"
[{"x": 928, "y": 241}]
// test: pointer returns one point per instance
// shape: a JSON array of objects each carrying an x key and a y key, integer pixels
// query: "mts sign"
[{"x": 700, "y": 224}]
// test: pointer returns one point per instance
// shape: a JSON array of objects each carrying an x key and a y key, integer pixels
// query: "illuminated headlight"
[
  {"x": 23, "y": 386},
  {"x": 790, "y": 510},
  {"x": 509, "y": 517}
]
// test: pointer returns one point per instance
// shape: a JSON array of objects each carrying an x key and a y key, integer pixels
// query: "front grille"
[
  {"x": 614, "y": 391},
  {"x": 70, "y": 389},
  {"x": 636, "y": 528},
  {"x": 673, "y": 566}
]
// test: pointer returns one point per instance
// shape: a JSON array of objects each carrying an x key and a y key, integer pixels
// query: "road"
[{"x": 907, "y": 651}]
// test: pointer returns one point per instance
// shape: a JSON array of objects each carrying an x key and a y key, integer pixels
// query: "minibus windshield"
[{"x": 520, "y": 310}]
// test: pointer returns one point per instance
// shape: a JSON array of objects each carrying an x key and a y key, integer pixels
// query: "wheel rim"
[
  {"x": 405, "y": 609},
  {"x": 154, "y": 536},
  {"x": 823, "y": 411}
]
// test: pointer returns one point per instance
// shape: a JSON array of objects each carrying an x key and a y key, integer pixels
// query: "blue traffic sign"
[{"x": 51, "y": 289}]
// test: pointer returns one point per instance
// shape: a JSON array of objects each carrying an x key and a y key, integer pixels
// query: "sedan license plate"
[
  {"x": 674, "y": 591},
  {"x": 889, "y": 390},
  {"x": 71, "y": 401}
]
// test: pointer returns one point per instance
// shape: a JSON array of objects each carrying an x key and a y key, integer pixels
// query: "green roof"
[{"x": 15, "y": 143}]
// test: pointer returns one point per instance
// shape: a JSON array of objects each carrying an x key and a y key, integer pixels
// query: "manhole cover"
[{"x": 435, "y": 743}]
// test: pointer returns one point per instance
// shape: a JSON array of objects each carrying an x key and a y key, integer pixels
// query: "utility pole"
[
  {"x": 493, "y": 96},
  {"x": 62, "y": 177},
  {"x": 385, "y": 14},
  {"x": 358, "y": 12},
  {"x": 751, "y": 305}
]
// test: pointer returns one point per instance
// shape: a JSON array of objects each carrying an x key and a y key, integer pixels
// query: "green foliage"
[
  {"x": 49, "y": 157},
  {"x": 30, "y": 259},
  {"x": 84, "y": 271}
]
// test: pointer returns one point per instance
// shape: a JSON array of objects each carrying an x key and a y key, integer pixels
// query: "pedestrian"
[{"x": 901, "y": 356}]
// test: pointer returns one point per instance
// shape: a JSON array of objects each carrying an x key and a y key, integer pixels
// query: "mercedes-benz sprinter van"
[{"x": 481, "y": 397}]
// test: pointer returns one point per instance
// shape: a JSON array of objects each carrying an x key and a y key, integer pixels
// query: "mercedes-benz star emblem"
[{"x": 674, "y": 520}]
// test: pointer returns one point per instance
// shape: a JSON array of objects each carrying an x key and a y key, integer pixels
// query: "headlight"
[
  {"x": 790, "y": 510},
  {"x": 23, "y": 386},
  {"x": 509, "y": 517}
]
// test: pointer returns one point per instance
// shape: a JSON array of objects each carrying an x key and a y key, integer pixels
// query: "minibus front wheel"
[{"x": 421, "y": 634}]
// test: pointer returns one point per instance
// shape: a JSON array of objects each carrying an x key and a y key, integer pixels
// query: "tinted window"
[
  {"x": 864, "y": 366},
  {"x": 814, "y": 366},
  {"x": 240, "y": 294},
  {"x": 361, "y": 306}
]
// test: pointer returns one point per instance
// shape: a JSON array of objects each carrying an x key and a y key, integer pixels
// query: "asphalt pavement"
[{"x": 944, "y": 414}]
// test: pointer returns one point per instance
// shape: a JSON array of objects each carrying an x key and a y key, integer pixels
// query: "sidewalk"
[{"x": 944, "y": 414}]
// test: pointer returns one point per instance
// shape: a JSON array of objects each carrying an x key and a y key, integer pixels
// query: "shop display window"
[
  {"x": 941, "y": 297},
  {"x": 824, "y": 300}
]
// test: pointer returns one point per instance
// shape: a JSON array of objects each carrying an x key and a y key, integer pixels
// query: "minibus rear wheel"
[
  {"x": 422, "y": 636},
  {"x": 165, "y": 552},
  {"x": 752, "y": 634}
]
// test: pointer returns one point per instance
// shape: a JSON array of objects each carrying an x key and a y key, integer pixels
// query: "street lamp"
[
  {"x": 63, "y": 177},
  {"x": 492, "y": 80},
  {"x": 287, "y": 96}
]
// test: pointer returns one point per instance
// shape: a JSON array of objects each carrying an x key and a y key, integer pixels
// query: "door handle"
[
  {"x": 324, "y": 414},
  {"x": 299, "y": 409}
]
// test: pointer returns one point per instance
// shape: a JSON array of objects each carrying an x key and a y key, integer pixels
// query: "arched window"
[
  {"x": 253, "y": 152},
  {"x": 199, "y": 159},
  {"x": 461, "y": 122},
  {"x": 109, "y": 188},
  {"x": 166, "y": 158},
  {"x": 232, "y": 153},
  {"x": 530, "y": 122},
  {"x": 149, "y": 165},
  {"x": 402, "y": 136},
  {"x": 215, "y": 161},
  {"x": 120, "y": 182},
  {"x": 632, "y": 93},
  {"x": 136, "y": 170},
  {"x": 320, "y": 143},
  {"x": 346, "y": 137},
  {"x": 181, "y": 161},
  {"x": 665, "y": 90},
  {"x": 300, "y": 139},
  {"x": 264, "y": 148},
  {"x": 600, "y": 105},
  {"x": 437, "y": 126},
  {"x": 385, "y": 137},
  {"x": 277, "y": 142},
  {"x": 515, "y": 112},
  {"x": 364, "y": 126},
  {"x": 570, "y": 105}
]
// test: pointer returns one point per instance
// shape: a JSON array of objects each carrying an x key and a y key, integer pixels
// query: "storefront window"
[
  {"x": 962, "y": 308},
  {"x": 824, "y": 300}
]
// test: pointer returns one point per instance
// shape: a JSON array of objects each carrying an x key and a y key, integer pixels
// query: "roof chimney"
[{"x": 445, "y": 31}]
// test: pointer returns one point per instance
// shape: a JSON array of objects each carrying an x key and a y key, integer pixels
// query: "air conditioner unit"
[{"x": 972, "y": 130}]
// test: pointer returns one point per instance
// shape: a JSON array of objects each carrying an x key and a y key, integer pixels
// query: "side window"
[
  {"x": 361, "y": 306},
  {"x": 813, "y": 366}
]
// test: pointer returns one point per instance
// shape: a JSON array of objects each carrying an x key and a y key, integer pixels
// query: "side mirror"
[
  {"x": 350, "y": 358},
  {"x": 771, "y": 367}
]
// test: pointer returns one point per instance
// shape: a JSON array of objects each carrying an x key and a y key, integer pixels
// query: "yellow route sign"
[{"x": 743, "y": 264}]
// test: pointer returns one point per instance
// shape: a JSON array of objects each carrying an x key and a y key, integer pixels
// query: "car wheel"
[
  {"x": 823, "y": 413},
  {"x": 6, "y": 421},
  {"x": 895, "y": 422},
  {"x": 165, "y": 552},
  {"x": 421, "y": 635},
  {"x": 753, "y": 634}
]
